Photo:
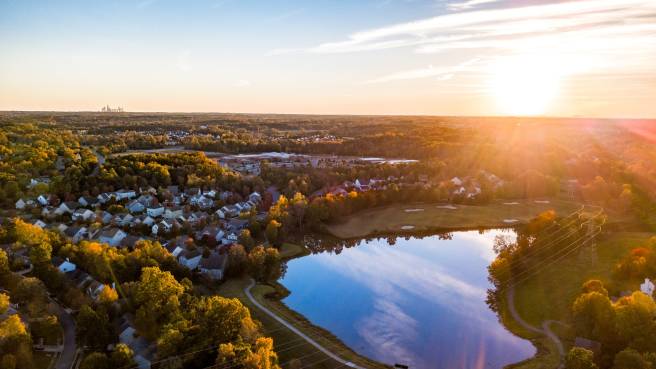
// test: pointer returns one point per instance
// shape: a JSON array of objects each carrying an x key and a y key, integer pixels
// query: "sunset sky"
[{"x": 442, "y": 57}]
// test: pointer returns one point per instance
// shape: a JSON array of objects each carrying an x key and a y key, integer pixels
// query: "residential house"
[
  {"x": 164, "y": 226},
  {"x": 135, "y": 206},
  {"x": 76, "y": 233},
  {"x": 112, "y": 236},
  {"x": 104, "y": 198},
  {"x": 173, "y": 212},
  {"x": 155, "y": 211},
  {"x": 255, "y": 197},
  {"x": 236, "y": 225},
  {"x": 82, "y": 214},
  {"x": 143, "y": 350},
  {"x": 648, "y": 287},
  {"x": 214, "y": 266},
  {"x": 124, "y": 194},
  {"x": 201, "y": 201},
  {"x": 21, "y": 204},
  {"x": 39, "y": 223},
  {"x": 144, "y": 219},
  {"x": 190, "y": 258},
  {"x": 231, "y": 211},
  {"x": 87, "y": 200},
  {"x": 43, "y": 200},
  {"x": 189, "y": 192},
  {"x": 211, "y": 194},
  {"x": 123, "y": 220},
  {"x": 147, "y": 200},
  {"x": 130, "y": 241},
  {"x": 37, "y": 181},
  {"x": 94, "y": 289},
  {"x": 104, "y": 217},
  {"x": 213, "y": 231},
  {"x": 64, "y": 266},
  {"x": 230, "y": 239},
  {"x": 67, "y": 207}
]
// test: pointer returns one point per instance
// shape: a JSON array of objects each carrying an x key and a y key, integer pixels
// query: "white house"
[
  {"x": 21, "y": 204},
  {"x": 255, "y": 197},
  {"x": 76, "y": 233},
  {"x": 43, "y": 200},
  {"x": 112, "y": 236},
  {"x": 219, "y": 213},
  {"x": 172, "y": 213},
  {"x": 456, "y": 181},
  {"x": 162, "y": 227},
  {"x": 66, "y": 266},
  {"x": 67, "y": 207},
  {"x": 135, "y": 206},
  {"x": 103, "y": 198},
  {"x": 648, "y": 287},
  {"x": 123, "y": 219},
  {"x": 124, "y": 194},
  {"x": 214, "y": 265},
  {"x": 155, "y": 211},
  {"x": 39, "y": 223},
  {"x": 87, "y": 200},
  {"x": 190, "y": 258},
  {"x": 105, "y": 217},
  {"x": 82, "y": 215}
]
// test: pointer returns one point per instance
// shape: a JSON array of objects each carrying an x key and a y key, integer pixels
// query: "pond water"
[{"x": 418, "y": 302}]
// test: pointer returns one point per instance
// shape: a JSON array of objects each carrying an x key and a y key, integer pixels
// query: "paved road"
[
  {"x": 280, "y": 320},
  {"x": 67, "y": 356},
  {"x": 510, "y": 296}
]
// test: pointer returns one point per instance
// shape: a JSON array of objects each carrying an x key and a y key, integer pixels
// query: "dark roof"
[{"x": 214, "y": 261}]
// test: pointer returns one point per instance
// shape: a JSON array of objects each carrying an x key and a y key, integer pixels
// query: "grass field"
[
  {"x": 391, "y": 219},
  {"x": 550, "y": 293},
  {"x": 288, "y": 345}
]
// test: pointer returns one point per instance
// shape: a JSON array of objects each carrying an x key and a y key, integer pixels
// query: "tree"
[
  {"x": 245, "y": 239},
  {"x": 271, "y": 231},
  {"x": 580, "y": 358},
  {"x": 158, "y": 296},
  {"x": 95, "y": 360},
  {"x": 263, "y": 356},
  {"x": 594, "y": 316},
  {"x": 630, "y": 359},
  {"x": 122, "y": 357},
  {"x": 108, "y": 295},
  {"x": 4, "y": 303},
  {"x": 8, "y": 362},
  {"x": 93, "y": 327},
  {"x": 635, "y": 321},
  {"x": 238, "y": 260},
  {"x": 4, "y": 263},
  {"x": 32, "y": 293}
]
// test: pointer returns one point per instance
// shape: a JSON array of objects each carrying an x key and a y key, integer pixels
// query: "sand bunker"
[
  {"x": 407, "y": 227},
  {"x": 413, "y": 210},
  {"x": 511, "y": 203},
  {"x": 541, "y": 201},
  {"x": 510, "y": 221},
  {"x": 450, "y": 207}
]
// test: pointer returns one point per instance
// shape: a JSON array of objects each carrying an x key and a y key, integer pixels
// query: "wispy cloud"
[
  {"x": 469, "y": 4},
  {"x": 242, "y": 83},
  {"x": 184, "y": 61},
  {"x": 441, "y": 73}
]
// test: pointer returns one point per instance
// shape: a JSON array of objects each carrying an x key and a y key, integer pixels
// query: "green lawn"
[
  {"x": 292, "y": 250},
  {"x": 391, "y": 219},
  {"x": 550, "y": 293},
  {"x": 42, "y": 360},
  {"x": 288, "y": 345}
]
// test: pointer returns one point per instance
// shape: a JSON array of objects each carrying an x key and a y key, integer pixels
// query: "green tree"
[
  {"x": 246, "y": 239},
  {"x": 95, "y": 360},
  {"x": 158, "y": 297},
  {"x": 4, "y": 263},
  {"x": 122, "y": 357},
  {"x": 271, "y": 231},
  {"x": 594, "y": 316},
  {"x": 4, "y": 303},
  {"x": 580, "y": 358},
  {"x": 630, "y": 359},
  {"x": 635, "y": 323},
  {"x": 32, "y": 293},
  {"x": 93, "y": 327}
]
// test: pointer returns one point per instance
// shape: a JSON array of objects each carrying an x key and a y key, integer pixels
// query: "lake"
[{"x": 418, "y": 302}]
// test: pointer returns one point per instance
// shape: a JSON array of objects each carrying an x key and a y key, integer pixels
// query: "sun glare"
[{"x": 525, "y": 85}]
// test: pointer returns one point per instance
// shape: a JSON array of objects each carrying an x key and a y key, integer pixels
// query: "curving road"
[
  {"x": 67, "y": 355},
  {"x": 309, "y": 340}
]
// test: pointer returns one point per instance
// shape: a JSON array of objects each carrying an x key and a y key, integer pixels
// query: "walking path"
[
  {"x": 312, "y": 342},
  {"x": 67, "y": 356},
  {"x": 510, "y": 296}
]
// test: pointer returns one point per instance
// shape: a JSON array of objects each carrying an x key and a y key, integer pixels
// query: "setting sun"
[{"x": 524, "y": 85}]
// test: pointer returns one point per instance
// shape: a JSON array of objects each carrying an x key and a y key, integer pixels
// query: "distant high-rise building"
[{"x": 109, "y": 109}]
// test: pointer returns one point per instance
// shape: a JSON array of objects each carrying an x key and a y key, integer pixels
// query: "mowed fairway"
[{"x": 434, "y": 217}]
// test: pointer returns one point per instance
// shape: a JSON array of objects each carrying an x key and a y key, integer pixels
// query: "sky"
[{"x": 593, "y": 58}]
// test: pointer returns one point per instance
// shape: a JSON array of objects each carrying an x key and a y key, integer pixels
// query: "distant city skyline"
[{"x": 592, "y": 58}]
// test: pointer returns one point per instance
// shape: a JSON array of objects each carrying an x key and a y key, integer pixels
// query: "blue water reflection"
[{"x": 420, "y": 302}]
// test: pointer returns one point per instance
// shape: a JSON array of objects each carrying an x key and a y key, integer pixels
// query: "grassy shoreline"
[{"x": 289, "y": 345}]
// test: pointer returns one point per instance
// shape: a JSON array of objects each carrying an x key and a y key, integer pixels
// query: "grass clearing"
[{"x": 393, "y": 218}]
